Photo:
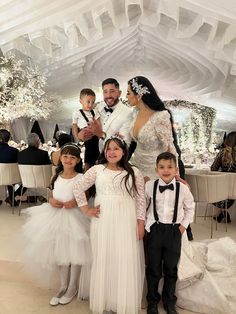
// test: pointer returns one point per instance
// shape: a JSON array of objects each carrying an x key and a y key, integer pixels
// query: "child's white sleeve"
[
  {"x": 188, "y": 206},
  {"x": 84, "y": 183},
  {"x": 75, "y": 117}
]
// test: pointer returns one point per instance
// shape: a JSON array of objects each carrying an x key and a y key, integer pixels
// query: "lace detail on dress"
[
  {"x": 140, "y": 196},
  {"x": 110, "y": 183},
  {"x": 83, "y": 185},
  {"x": 154, "y": 138}
]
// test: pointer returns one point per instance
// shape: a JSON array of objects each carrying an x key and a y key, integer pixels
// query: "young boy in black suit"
[{"x": 171, "y": 211}]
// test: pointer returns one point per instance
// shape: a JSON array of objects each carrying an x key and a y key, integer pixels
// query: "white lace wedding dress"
[
  {"x": 154, "y": 137},
  {"x": 207, "y": 269},
  {"x": 118, "y": 261}
]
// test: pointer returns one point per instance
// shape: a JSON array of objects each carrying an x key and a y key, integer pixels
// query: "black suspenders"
[
  {"x": 83, "y": 114},
  {"x": 176, "y": 201}
]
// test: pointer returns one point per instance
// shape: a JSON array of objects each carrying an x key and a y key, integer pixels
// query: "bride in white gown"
[{"x": 207, "y": 269}]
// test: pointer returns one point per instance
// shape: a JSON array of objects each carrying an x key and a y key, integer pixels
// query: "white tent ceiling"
[{"x": 186, "y": 47}]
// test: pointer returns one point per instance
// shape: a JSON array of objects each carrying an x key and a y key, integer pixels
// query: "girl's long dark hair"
[
  {"x": 151, "y": 99},
  {"x": 122, "y": 163},
  {"x": 70, "y": 149}
]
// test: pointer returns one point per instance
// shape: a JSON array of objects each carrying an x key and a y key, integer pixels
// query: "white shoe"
[
  {"x": 54, "y": 301},
  {"x": 65, "y": 300}
]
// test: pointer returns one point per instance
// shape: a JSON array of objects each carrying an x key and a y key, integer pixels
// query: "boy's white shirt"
[
  {"x": 78, "y": 119},
  {"x": 165, "y": 204}
]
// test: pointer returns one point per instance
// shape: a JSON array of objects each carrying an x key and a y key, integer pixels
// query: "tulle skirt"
[
  {"x": 118, "y": 261},
  {"x": 56, "y": 236}
]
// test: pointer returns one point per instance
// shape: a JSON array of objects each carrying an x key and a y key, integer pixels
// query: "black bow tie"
[
  {"x": 108, "y": 109},
  {"x": 162, "y": 188}
]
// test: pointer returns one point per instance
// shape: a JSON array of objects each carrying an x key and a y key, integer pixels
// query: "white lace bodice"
[
  {"x": 110, "y": 183},
  {"x": 63, "y": 188},
  {"x": 154, "y": 137}
]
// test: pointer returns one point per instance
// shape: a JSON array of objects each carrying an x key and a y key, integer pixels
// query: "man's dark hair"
[
  {"x": 166, "y": 156},
  {"x": 111, "y": 81},
  {"x": 4, "y": 136},
  {"x": 87, "y": 92}
]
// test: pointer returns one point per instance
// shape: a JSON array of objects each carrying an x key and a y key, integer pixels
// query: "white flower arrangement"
[
  {"x": 22, "y": 91},
  {"x": 196, "y": 135}
]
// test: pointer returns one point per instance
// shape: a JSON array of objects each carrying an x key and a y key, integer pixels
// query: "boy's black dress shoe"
[{"x": 152, "y": 309}]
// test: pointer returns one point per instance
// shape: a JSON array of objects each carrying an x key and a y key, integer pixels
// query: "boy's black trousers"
[{"x": 163, "y": 252}]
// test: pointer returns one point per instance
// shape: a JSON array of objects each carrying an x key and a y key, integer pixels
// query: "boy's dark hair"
[
  {"x": 166, "y": 156},
  {"x": 87, "y": 92},
  {"x": 111, "y": 81}
]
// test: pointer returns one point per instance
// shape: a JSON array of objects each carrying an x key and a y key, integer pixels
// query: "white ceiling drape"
[{"x": 186, "y": 47}]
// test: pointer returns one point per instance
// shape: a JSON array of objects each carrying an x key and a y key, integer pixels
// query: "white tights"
[{"x": 68, "y": 280}]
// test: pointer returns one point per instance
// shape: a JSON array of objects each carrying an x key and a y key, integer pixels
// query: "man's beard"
[{"x": 115, "y": 102}]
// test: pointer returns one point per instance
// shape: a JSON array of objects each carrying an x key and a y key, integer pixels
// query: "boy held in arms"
[
  {"x": 80, "y": 121},
  {"x": 170, "y": 212}
]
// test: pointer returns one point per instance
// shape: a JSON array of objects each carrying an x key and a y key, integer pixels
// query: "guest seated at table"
[
  {"x": 225, "y": 161},
  {"x": 32, "y": 155},
  {"x": 62, "y": 140},
  {"x": 8, "y": 155}
]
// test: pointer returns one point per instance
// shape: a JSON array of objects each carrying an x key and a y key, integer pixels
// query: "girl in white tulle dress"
[
  {"x": 57, "y": 232},
  {"x": 118, "y": 263}
]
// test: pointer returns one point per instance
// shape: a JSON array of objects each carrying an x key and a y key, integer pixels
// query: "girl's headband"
[
  {"x": 71, "y": 145},
  {"x": 117, "y": 137}
]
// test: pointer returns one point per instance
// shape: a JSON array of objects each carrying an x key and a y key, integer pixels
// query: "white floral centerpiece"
[
  {"x": 22, "y": 91},
  {"x": 196, "y": 134}
]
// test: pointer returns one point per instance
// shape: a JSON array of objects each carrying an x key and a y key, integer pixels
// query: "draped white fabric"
[
  {"x": 186, "y": 47},
  {"x": 20, "y": 128}
]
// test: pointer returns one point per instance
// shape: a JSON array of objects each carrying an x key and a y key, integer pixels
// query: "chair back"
[
  {"x": 36, "y": 176},
  {"x": 209, "y": 188},
  {"x": 232, "y": 185},
  {"x": 9, "y": 174}
]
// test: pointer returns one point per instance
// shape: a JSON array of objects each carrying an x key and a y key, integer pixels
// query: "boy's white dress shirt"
[
  {"x": 78, "y": 118},
  {"x": 165, "y": 204}
]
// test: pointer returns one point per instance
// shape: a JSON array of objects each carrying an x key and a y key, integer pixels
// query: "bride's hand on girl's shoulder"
[
  {"x": 93, "y": 211},
  {"x": 55, "y": 203}
]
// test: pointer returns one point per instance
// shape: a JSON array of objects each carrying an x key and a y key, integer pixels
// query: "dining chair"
[
  {"x": 10, "y": 175},
  {"x": 35, "y": 177},
  {"x": 209, "y": 188}
]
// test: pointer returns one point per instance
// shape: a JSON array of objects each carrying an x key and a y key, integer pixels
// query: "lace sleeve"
[
  {"x": 84, "y": 182},
  {"x": 163, "y": 129},
  {"x": 140, "y": 196}
]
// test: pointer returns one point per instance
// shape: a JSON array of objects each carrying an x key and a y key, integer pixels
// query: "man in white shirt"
[
  {"x": 170, "y": 212},
  {"x": 115, "y": 117}
]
